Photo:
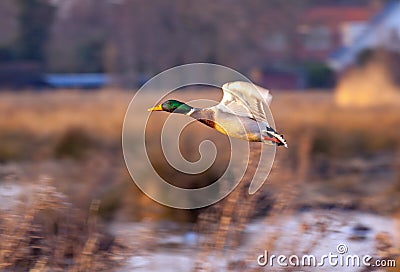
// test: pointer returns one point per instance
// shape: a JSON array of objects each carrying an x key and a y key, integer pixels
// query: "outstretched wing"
[{"x": 246, "y": 99}]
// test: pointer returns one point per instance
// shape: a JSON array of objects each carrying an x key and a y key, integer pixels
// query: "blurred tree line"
[
  {"x": 133, "y": 38},
  {"x": 24, "y": 28}
]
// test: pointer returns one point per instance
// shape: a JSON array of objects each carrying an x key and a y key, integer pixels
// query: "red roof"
[{"x": 338, "y": 14}]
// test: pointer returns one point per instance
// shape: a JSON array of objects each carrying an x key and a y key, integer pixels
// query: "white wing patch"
[
  {"x": 232, "y": 104},
  {"x": 246, "y": 99}
]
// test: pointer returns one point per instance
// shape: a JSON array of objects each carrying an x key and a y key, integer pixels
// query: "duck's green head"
[{"x": 174, "y": 106}]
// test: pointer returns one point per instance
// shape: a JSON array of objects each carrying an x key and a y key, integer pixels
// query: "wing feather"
[{"x": 246, "y": 99}]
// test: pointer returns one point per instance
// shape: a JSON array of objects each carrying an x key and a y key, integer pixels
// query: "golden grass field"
[{"x": 64, "y": 147}]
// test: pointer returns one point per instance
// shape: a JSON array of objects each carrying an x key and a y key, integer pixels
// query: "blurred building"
[
  {"x": 382, "y": 31},
  {"x": 324, "y": 29},
  {"x": 368, "y": 66},
  {"x": 297, "y": 57}
]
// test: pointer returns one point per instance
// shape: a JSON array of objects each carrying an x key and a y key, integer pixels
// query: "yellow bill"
[{"x": 156, "y": 108}]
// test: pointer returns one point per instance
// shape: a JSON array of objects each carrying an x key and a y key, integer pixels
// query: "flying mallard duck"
[{"x": 240, "y": 114}]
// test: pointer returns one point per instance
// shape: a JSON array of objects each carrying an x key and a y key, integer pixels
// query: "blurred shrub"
[
  {"x": 390, "y": 60},
  {"x": 373, "y": 81},
  {"x": 46, "y": 233},
  {"x": 319, "y": 75},
  {"x": 74, "y": 143},
  {"x": 111, "y": 201},
  {"x": 336, "y": 143},
  {"x": 364, "y": 57},
  {"x": 12, "y": 146}
]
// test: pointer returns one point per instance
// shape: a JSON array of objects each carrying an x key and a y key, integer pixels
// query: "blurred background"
[{"x": 69, "y": 68}]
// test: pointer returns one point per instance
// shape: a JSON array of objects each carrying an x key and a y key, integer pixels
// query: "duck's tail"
[{"x": 271, "y": 135}]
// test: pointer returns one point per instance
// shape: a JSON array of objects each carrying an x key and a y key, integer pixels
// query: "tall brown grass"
[
  {"x": 82, "y": 129},
  {"x": 75, "y": 138},
  {"x": 46, "y": 232}
]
